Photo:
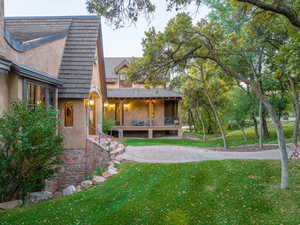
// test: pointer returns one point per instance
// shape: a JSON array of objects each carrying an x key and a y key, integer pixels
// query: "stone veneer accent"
[{"x": 80, "y": 163}]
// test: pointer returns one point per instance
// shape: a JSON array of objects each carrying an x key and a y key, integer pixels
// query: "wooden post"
[
  {"x": 150, "y": 133},
  {"x": 121, "y": 113},
  {"x": 150, "y": 112}
]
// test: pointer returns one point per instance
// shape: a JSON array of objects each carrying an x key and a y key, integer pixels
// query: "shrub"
[
  {"x": 107, "y": 125},
  {"x": 28, "y": 150}
]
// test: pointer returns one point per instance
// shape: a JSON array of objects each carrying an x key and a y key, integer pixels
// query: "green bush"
[
  {"x": 29, "y": 149},
  {"x": 107, "y": 125}
]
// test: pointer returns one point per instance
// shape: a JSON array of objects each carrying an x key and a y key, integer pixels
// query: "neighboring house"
[
  {"x": 138, "y": 111},
  {"x": 56, "y": 61}
]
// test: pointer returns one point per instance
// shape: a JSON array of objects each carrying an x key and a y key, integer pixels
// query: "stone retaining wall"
[{"x": 78, "y": 164}]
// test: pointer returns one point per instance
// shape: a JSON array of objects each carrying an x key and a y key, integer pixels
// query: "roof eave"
[{"x": 35, "y": 75}]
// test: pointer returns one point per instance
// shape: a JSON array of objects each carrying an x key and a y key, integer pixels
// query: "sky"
[{"x": 125, "y": 42}]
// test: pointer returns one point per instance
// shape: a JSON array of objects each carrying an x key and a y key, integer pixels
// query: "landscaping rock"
[
  {"x": 11, "y": 204},
  {"x": 58, "y": 194},
  {"x": 37, "y": 197},
  {"x": 98, "y": 179},
  {"x": 69, "y": 190},
  {"x": 116, "y": 162},
  {"x": 117, "y": 151},
  {"x": 106, "y": 174},
  {"x": 119, "y": 158},
  {"x": 78, "y": 188},
  {"x": 113, "y": 171},
  {"x": 86, "y": 184}
]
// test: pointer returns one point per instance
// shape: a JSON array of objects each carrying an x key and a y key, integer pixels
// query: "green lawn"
[
  {"x": 234, "y": 138},
  {"x": 211, "y": 192}
]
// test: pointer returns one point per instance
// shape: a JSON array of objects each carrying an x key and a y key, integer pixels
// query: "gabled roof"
[
  {"x": 138, "y": 93},
  {"x": 83, "y": 32},
  {"x": 113, "y": 65}
]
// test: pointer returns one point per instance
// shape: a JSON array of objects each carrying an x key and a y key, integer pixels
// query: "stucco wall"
[
  {"x": 74, "y": 137},
  {"x": 11, "y": 89},
  {"x": 3, "y": 92},
  {"x": 15, "y": 86},
  {"x": 46, "y": 58},
  {"x": 138, "y": 110}
]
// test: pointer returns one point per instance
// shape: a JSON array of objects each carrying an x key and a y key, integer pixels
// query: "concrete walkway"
[{"x": 176, "y": 154}]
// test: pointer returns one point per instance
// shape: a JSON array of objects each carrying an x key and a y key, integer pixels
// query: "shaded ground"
[{"x": 211, "y": 192}]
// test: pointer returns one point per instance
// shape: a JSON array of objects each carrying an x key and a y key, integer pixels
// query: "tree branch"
[{"x": 281, "y": 9}]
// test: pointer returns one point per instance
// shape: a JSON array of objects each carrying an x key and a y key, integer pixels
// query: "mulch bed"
[{"x": 246, "y": 148}]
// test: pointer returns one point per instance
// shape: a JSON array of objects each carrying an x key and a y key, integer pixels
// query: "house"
[
  {"x": 136, "y": 110},
  {"x": 57, "y": 61}
]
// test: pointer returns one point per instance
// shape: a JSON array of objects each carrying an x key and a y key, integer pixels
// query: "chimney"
[{"x": 1, "y": 18}]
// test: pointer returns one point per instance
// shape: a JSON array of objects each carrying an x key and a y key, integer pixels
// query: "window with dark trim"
[
  {"x": 69, "y": 114},
  {"x": 37, "y": 93}
]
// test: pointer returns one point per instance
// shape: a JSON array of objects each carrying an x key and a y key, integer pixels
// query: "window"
[
  {"x": 36, "y": 93},
  {"x": 69, "y": 114},
  {"x": 122, "y": 76}
]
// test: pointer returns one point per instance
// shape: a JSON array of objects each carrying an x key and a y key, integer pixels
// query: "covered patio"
[{"x": 143, "y": 110}]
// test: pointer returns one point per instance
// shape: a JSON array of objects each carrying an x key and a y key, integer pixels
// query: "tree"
[
  {"x": 29, "y": 150},
  {"x": 119, "y": 12},
  {"x": 181, "y": 43},
  {"x": 288, "y": 9}
]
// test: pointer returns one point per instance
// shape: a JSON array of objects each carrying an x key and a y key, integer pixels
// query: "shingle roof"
[
  {"x": 141, "y": 93},
  {"x": 111, "y": 64},
  {"x": 76, "y": 69},
  {"x": 79, "y": 56},
  {"x": 24, "y": 33}
]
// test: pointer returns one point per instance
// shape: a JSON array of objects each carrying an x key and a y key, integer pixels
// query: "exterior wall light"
[{"x": 91, "y": 102}]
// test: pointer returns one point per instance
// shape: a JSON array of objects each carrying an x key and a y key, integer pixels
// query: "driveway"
[{"x": 176, "y": 154}]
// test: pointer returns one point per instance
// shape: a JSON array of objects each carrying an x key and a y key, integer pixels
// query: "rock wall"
[{"x": 80, "y": 163}]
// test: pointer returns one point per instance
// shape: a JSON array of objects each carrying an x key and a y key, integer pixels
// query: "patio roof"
[{"x": 142, "y": 93}]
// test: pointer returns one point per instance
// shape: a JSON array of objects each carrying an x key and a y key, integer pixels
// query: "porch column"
[
  {"x": 150, "y": 112},
  {"x": 150, "y": 133},
  {"x": 121, "y": 134},
  {"x": 121, "y": 113}
]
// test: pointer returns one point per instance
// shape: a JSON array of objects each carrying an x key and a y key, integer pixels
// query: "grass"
[
  {"x": 211, "y": 192},
  {"x": 234, "y": 138}
]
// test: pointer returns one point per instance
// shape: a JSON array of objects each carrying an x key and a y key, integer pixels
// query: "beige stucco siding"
[
  {"x": 46, "y": 58},
  {"x": 11, "y": 89},
  {"x": 15, "y": 86},
  {"x": 137, "y": 110},
  {"x": 74, "y": 137},
  {"x": 3, "y": 92}
]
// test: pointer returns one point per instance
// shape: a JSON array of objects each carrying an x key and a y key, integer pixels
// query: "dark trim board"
[
  {"x": 5, "y": 65},
  {"x": 28, "y": 72}
]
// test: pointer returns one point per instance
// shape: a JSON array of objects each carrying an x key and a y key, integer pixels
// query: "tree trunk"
[
  {"x": 296, "y": 124},
  {"x": 274, "y": 117},
  {"x": 243, "y": 132},
  {"x": 282, "y": 148},
  {"x": 192, "y": 118},
  {"x": 261, "y": 146},
  {"x": 218, "y": 120},
  {"x": 297, "y": 111},
  {"x": 265, "y": 124},
  {"x": 255, "y": 126},
  {"x": 202, "y": 123}
]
